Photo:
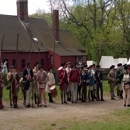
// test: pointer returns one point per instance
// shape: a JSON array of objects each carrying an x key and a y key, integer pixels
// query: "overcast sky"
[{"x": 9, "y": 6}]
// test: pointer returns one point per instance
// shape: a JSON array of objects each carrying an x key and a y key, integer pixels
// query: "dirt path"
[{"x": 54, "y": 114}]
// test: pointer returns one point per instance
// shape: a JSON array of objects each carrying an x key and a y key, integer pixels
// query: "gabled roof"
[
  {"x": 38, "y": 28},
  {"x": 68, "y": 44},
  {"x": 11, "y": 25}
]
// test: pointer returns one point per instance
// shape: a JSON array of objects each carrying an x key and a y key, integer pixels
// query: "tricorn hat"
[
  {"x": 112, "y": 66},
  {"x": 119, "y": 64},
  {"x": 98, "y": 66}
]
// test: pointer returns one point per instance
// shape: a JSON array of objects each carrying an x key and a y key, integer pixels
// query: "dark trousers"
[
  {"x": 79, "y": 91},
  {"x": 99, "y": 86},
  {"x": 84, "y": 91},
  {"x": 63, "y": 93}
]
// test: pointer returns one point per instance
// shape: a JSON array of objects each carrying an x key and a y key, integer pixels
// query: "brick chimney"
[
  {"x": 56, "y": 24},
  {"x": 22, "y": 10}
]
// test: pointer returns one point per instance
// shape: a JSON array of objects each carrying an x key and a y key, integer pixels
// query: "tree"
[
  {"x": 43, "y": 15},
  {"x": 123, "y": 18},
  {"x": 92, "y": 17}
]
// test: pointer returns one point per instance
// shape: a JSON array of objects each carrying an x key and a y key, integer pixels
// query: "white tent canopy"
[
  {"x": 116, "y": 62},
  {"x": 122, "y": 60},
  {"x": 90, "y": 62},
  {"x": 106, "y": 61},
  {"x": 128, "y": 63}
]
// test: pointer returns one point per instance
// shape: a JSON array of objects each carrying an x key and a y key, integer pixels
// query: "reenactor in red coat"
[
  {"x": 62, "y": 75},
  {"x": 1, "y": 88},
  {"x": 74, "y": 80}
]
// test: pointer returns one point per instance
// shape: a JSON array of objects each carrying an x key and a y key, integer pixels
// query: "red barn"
[{"x": 49, "y": 47}]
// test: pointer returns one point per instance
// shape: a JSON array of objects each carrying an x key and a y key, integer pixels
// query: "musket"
[
  {"x": 2, "y": 47},
  {"x": 32, "y": 93},
  {"x": 16, "y": 49},
  {"x": 29, "y": 56},
  {"x": 11, "y": 97},
  {"x": 10, "y": 90}
]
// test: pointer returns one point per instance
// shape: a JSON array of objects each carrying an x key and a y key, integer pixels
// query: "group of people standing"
[
  {"x": 120, "y": 77},
  {"x": 34, "y": 84},
  {"x": 76, "y": 84},
  {"x": 80, "y": 83}
]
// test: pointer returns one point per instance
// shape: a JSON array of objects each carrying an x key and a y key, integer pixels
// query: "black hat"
[
  {"x": 119, "y": 64},
  {"x": 64, "y": 64},
  {"x": 41, "y": 67},
  {"x": 94, "y": 65},
  {"x": 28, "y": 63},
  {"x": 49, "y": 68},
  {"x": 90, "y": 66},
  {"x": 125, "y": 66},
  {"x": 85, "y": 65},
  {"x": 37, "y": 63},
  {"x": 98, "y": 66},
  {"x": 113, "y": 66}
]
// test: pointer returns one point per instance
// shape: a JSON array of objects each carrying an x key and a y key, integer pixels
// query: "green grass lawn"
[{"x": 117, "y": 120}]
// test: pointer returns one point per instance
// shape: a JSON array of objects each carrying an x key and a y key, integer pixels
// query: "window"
[
  {"x": 79, "y": 59},
  {"x": 52, "y": 60},
  {"x": 42, "y": 62},
  {"x": 23, "y": 63},
  {"x": 13, "y": 62}
]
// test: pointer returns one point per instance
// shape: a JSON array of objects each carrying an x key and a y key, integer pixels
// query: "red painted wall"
[
  {"x": 57, "y": 60},
  {"x": 71, "y": 59},
  {"x": 25, "y": 55}
]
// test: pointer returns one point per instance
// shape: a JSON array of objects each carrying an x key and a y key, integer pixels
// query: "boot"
[
  {"x": 89, "y": 96},
  {"x": 1, "y": 106},
  {"x": 35, "y": 98},
  {"x": 121, "y": 94},
  {"x": 50, "y": 98},
  {"x": 112, "y": 96},
  {"x": 69, "y": 96},
  {"x": 16, "y": 100},
  {"x": 67, "y": 93},
  {"x": 92, "y": 96},
  {"x": 62, "y": 100},
  {"x": 13, "y": 101},
  {"x": 117, "y": 92}
]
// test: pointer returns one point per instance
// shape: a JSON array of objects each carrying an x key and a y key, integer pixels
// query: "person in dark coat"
[
  {"x": 27, "y": 79},
  {"x": 99, "y": 79},
  {"x": 119, "y": 77}
]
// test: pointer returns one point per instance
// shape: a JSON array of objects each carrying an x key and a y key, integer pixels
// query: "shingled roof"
[
  {"x": 11, "y": 25},
  {"x": 38, "y": 28}
]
